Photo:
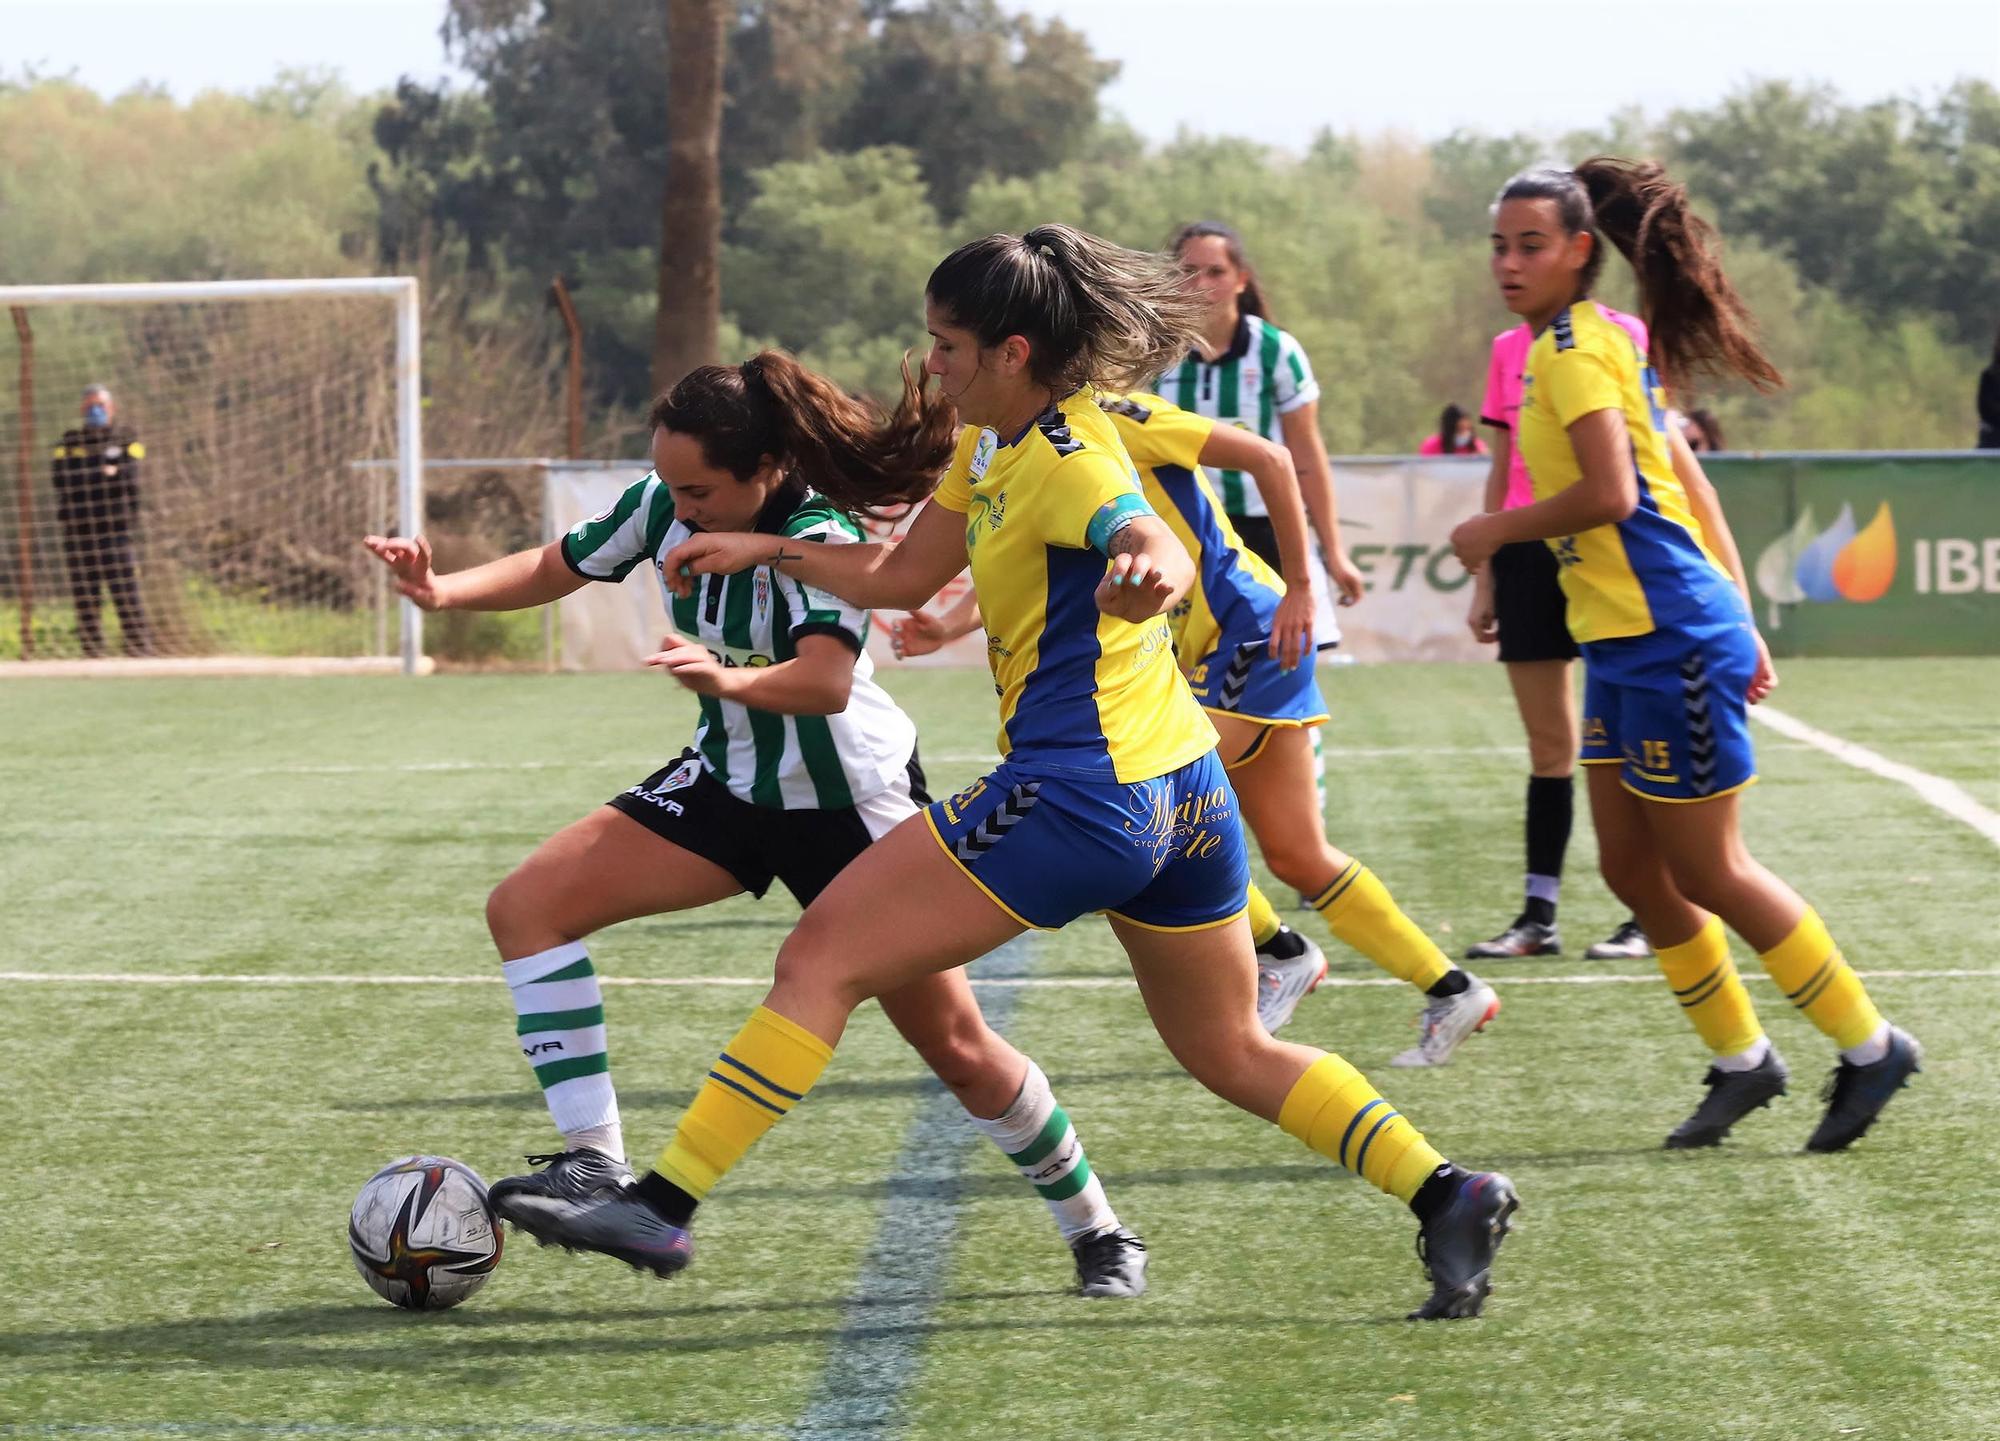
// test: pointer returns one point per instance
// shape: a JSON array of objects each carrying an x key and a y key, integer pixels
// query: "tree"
[
  {"x": 1033, "y": 88},
  {"x": 1890, "y": 205},
  {"x": 552, "y": 162},
  {"x": 689, "y": 304}
]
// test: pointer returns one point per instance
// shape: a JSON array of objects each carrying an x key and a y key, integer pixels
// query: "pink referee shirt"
[{"x": 1502, "y": 406}]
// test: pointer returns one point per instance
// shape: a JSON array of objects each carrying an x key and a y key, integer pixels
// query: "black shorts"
[
  {"x": 1528, "y": 604},
  {"x": 805, "y": 849},
  {"x": 1257, "y": 532}
]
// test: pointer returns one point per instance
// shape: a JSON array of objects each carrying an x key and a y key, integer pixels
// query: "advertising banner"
[
  {"x": 1862, "y": 555},
  {"x": 1869, "y": 555}
]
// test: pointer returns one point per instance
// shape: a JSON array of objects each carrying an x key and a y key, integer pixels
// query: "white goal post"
[{"x": 205, "y": 521}]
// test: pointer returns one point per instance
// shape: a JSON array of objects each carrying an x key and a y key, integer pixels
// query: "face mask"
[{"x": 96, "y": 415}]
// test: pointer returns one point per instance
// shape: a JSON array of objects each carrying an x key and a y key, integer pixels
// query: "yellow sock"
[
  {"x": 1360, "y": 911},
  {"x": 766, "y": 1070},
  {"x": 1334, "y": 1110},
  {"x": 1816, "y": 978},
  {"x": 1264, "y": 922},
  {"x": 1706, "y": 984}
]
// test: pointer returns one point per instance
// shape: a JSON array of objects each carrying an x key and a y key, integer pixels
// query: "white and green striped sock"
[
  {"x": 560, "y": 1026},
  {"x": 1036, "y": 1135}
]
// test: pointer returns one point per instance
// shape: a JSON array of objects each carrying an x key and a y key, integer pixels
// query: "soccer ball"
[{"x": 422, "y": 1234}]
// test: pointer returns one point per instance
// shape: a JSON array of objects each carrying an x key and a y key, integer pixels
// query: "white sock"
[
  {"x": 607, "y": 1139},
  {"x": 1747, "y": 1060},
  {"x": 1036, "y": 1135},
  {"x": 560, "y": 1024},
  {"x": 1871, "y": 1050}
]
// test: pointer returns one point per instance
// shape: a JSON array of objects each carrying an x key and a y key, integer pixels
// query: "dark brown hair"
[
  {"x": 1711, "y": 428},
  {"x": 1698, "y": 323},
  {"x": 1093, "y": 313},
  {"x": 772, "y": 407},
  {"x": 1251, "y": 301},
  {"x": 1448, "y": 422}
]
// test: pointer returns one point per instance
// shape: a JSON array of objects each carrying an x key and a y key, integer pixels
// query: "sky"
[{"x": 1272, "y": 70}]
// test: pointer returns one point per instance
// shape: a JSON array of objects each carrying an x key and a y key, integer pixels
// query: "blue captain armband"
[{"x": 1113, "y": 516}]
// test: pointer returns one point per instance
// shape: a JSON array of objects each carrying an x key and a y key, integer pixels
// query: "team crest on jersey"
[
  {"x": 679, "y": 778},
  {"x": 983, "y": 451},
  {"x": 762, "y": 594}
]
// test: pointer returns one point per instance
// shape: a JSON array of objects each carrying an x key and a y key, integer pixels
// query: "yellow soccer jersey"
[
  {"x": 1165, "y": 444},
  {"x": 1081, "y": 693},
  {"x": 1652, "y": 569}
]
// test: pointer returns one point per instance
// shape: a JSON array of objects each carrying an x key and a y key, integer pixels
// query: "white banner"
[
  {"x": 602, "y": 626},
  {"x": 1396, "y": 516}
]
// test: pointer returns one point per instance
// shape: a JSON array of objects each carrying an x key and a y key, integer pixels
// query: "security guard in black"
[{"x": 95, "y": 472}]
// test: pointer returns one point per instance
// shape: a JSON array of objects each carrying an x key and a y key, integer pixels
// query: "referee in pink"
[{"x": 1518, "y": 601}]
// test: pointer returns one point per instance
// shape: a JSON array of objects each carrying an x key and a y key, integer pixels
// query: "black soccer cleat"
[
  {"x": 1732, "y": 1095},
  {"x": 1855, "y": 1095},
  {"x": 571, "y": 1175},
  {"x": 1523, "y": 938},
  {"x": 612, "y": 1222},
  {"x": 1627, "y": 943},
  {"x": 1110, "y": 1263},
  {"x": 1458, "y": 1243}
]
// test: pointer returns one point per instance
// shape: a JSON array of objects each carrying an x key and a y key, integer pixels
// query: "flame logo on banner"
[
  {"x": 1840, "y": 564},
  {"x": 1866, "y": 565}
]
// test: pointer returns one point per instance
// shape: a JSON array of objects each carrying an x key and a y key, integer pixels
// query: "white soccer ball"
[{"x": 422, "y": 1234}]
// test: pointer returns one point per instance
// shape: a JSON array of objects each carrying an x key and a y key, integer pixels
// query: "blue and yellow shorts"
[
  {"x": 1166, "y": 853},
  {"x": 1240, "y": 677},
  {"x": 1670, "y": 708}
]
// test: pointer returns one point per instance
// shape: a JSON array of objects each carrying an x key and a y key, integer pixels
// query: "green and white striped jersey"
[
  {"x": 757, "y": 618},
  {"x": 1263, "y": 375}
]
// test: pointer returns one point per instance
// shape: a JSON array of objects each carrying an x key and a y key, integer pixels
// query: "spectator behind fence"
[
  {"x": 1989, "y": 400},
  {"x": 1455, "y": 435},
  {"x": 1702, "y": 431},
  {"x": 96, "y": 475}
]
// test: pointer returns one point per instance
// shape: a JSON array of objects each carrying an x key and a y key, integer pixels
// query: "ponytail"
[
  {"x": 1697, "y": 321},
  {"x": 1093, "y": 313},
  {"x": 771, "y": 408}
]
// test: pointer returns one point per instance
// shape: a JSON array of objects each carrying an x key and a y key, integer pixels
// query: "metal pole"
[
  {"x": 27, "y": 501},
  {"x": 378, "y": 514},
  {"x": 549, "y": 534},
  {"x": 410, "y": 452},
  {"x": 559, "y": 293}
]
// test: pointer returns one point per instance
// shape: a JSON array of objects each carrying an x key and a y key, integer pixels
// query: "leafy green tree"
[
  {"x": 142, "y": 188},
  {"x": 972, "y": 91},
  {"x": 1889, "y": 205}
]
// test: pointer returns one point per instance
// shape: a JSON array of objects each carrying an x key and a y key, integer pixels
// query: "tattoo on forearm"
[
  {"x": 784, "y": 555},
  {"x": 1125, "y": 540}
]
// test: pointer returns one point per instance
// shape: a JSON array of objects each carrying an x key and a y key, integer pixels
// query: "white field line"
[
  {"x": 1034, "y": 983},
  {"x": 1935, "y": 791}
]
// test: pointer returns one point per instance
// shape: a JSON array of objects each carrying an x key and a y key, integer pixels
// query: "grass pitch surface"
[{"x": 181, "y": 1156}]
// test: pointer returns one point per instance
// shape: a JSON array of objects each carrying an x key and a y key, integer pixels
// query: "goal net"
[{"x": 183, "y": 474}]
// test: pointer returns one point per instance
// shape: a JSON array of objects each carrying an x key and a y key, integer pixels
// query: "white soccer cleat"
[
  {"x": 1447, "y": 1021},
  {"x": 1282, "y": 982}
]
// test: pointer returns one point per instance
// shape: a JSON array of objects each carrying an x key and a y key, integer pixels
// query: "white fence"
[{"x": 1396, "y": 515}]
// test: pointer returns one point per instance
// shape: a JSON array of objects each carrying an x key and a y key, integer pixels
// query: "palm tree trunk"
[{"x": 690, "y": 290}]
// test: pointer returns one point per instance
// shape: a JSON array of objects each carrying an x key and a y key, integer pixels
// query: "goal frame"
[{"x": 401, "y": 289}]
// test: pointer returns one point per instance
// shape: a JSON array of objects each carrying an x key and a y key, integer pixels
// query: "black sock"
[
  {"x": 1436, "y": 1192},
  {"x": 1451, "y": 984},
  {"x": 676, "y": 1207},
  {"x": 1551, "y": 810},
  {"x": 1536, "y": 911},
  {"x": 1287, "y": 945}
]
